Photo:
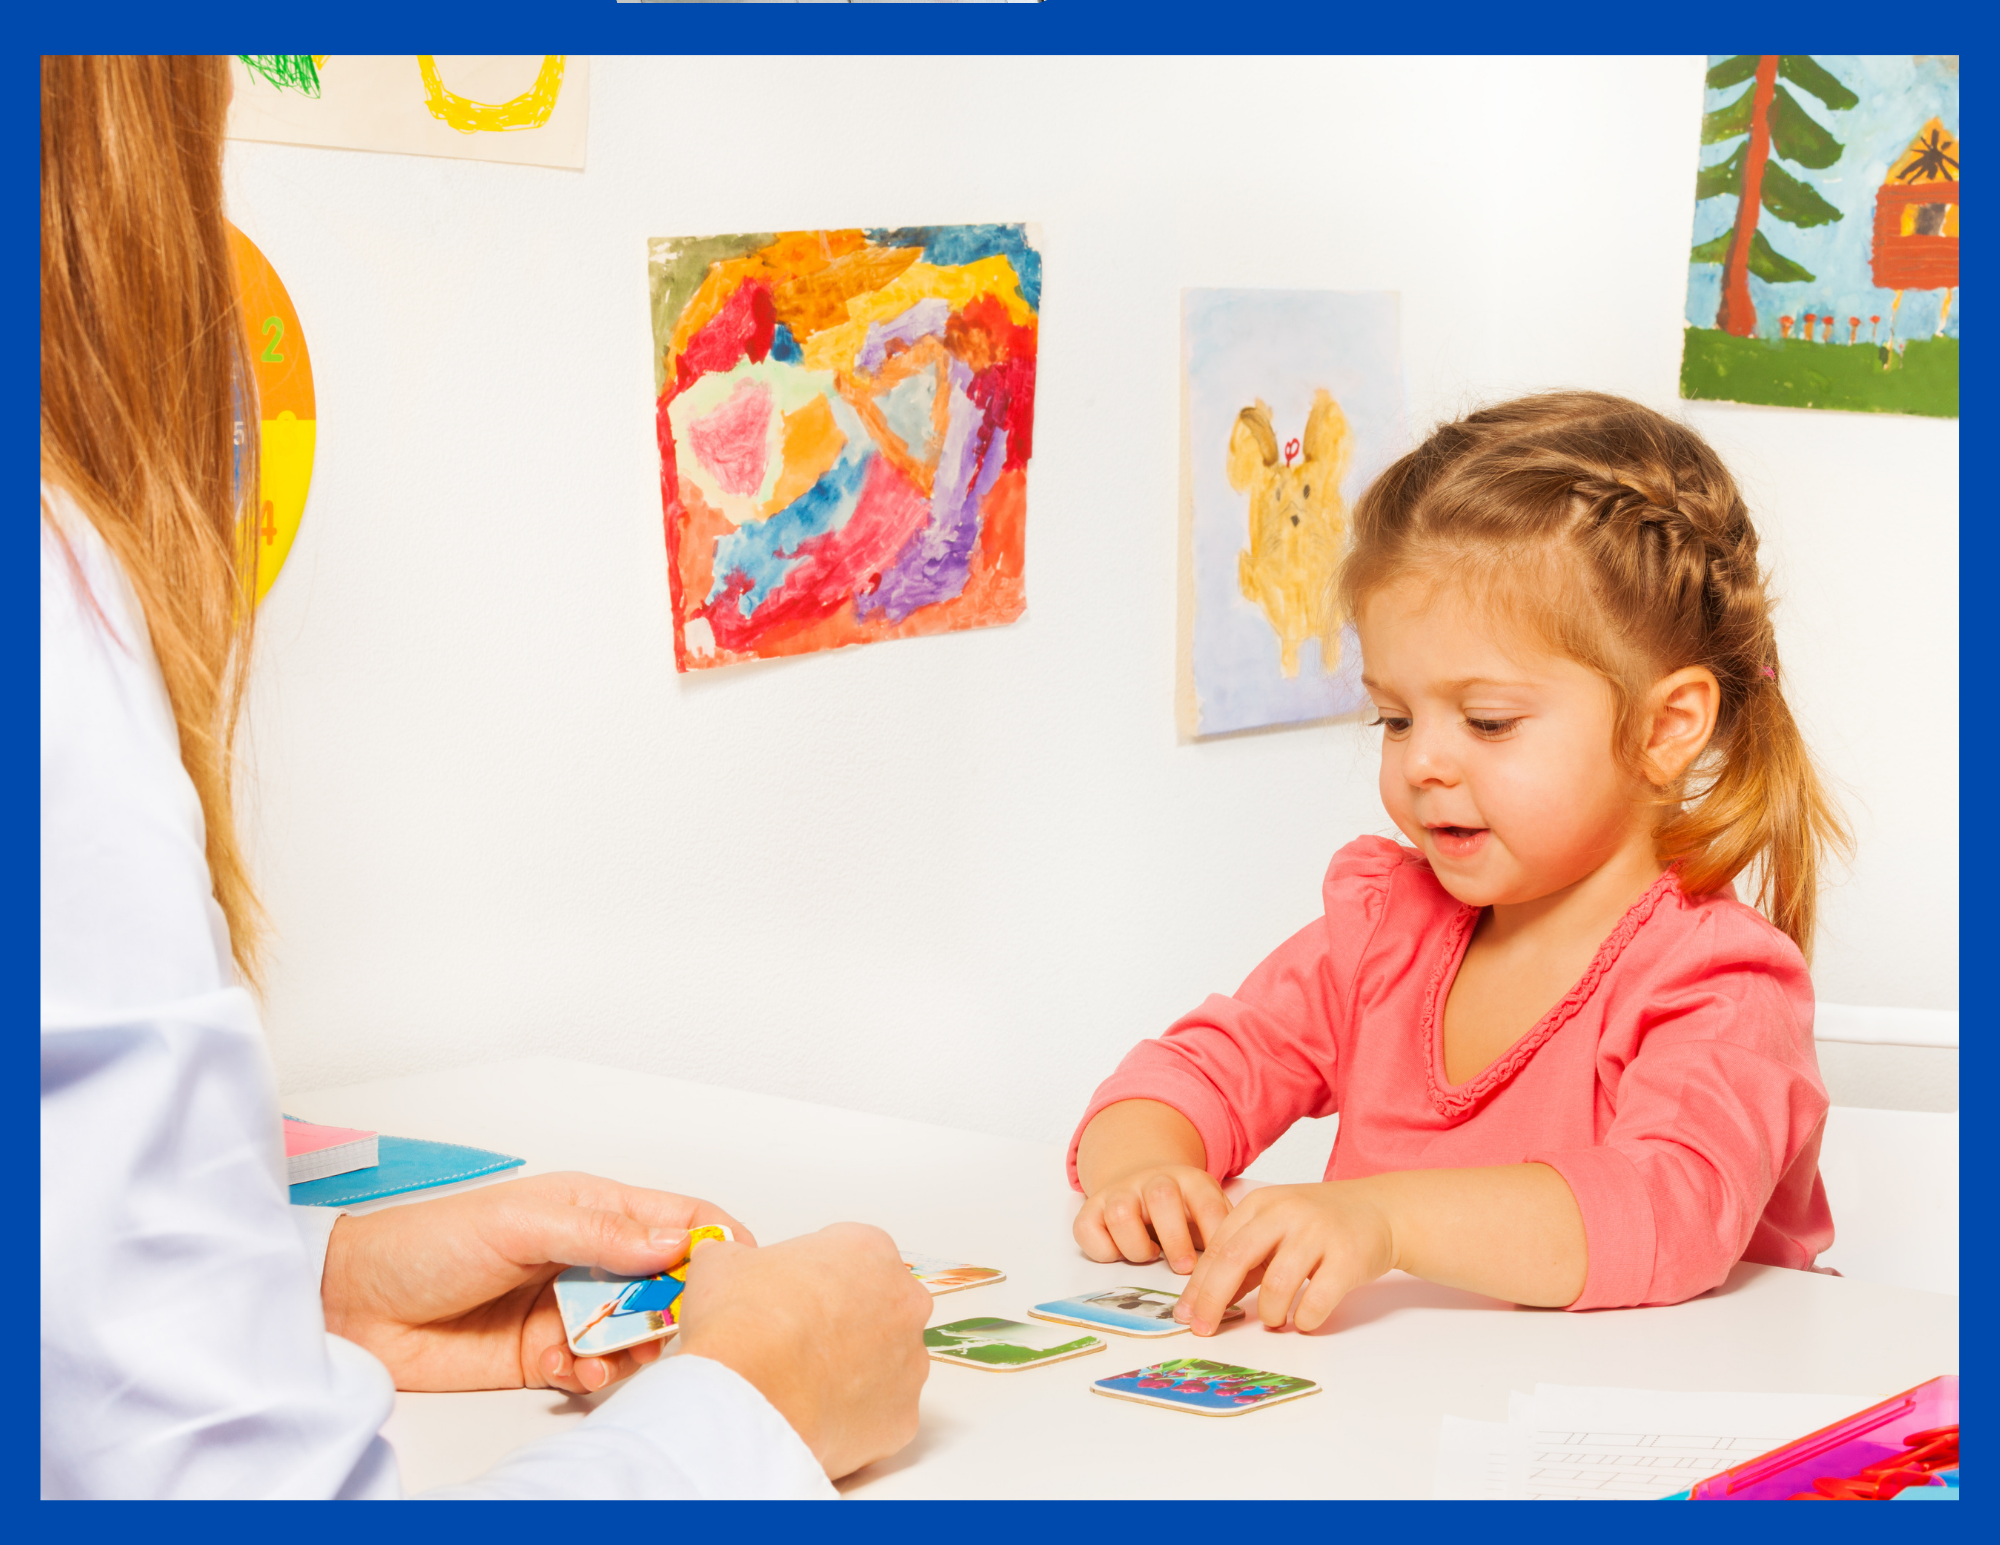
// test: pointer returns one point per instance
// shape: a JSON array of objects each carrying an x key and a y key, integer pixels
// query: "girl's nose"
[{"x": 1429, "y": 758}]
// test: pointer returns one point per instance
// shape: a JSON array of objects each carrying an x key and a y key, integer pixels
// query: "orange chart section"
[{"x": 283, "y": 371}]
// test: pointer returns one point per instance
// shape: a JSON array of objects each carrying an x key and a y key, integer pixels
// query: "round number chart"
[{"x": 284, "y": 375}]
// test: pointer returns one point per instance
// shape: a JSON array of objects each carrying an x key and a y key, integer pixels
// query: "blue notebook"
[{"x": 407, "y": 1164}]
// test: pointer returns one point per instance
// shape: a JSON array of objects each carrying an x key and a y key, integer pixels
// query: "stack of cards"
[
  {"x": 1005, "y": 1345},
  {"x": 604, "y": 1313},
  {"x": 1206, "y": 1388},
  {"x": 941, "y": 1274},
  {"x": 1129, "y": 1311}
]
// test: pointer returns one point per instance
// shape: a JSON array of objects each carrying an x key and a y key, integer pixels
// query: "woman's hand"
[
  {"x": 1170, "y": 1210},
  {"x": 459, "y": 1293},
  {"x": 1328, "y": 1238},
  {"x": 828, "y": 1326}
]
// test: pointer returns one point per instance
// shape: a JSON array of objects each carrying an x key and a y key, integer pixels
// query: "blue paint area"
[
  {"x": 906, "y": 407},
  {"x": 766, "y": 551},
  {"x": 949, "y": 245},
  {"x": 784, "y": 347}
]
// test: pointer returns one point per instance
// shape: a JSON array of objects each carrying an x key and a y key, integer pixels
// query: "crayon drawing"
[
  {"x": 287, "y": 422},
  {"x": 844, "y": 422},
  {"x": 1292, "y": 402},
  {"x": 1824, "y": 272},
  {"x": 532, "y": 109}
]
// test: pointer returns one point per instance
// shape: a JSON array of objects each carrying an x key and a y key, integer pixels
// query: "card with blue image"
[
  {"x": 1130, "y": 1311},
  {"x": 603, "y": 1312},
  {"x": 1205, "y": 1388}
]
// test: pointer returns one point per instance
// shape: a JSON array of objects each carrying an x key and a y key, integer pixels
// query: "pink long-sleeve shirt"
[{"x": 1674, "y": 1088}]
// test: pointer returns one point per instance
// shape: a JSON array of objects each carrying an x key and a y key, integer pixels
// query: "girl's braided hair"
[{"x": 1621, "y": 538}]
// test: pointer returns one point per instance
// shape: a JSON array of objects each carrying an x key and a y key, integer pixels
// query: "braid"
[{"x": 1649, "y": 563}]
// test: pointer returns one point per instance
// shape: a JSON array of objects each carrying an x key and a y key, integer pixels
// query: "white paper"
[{"x": 1572, "y": 1442}]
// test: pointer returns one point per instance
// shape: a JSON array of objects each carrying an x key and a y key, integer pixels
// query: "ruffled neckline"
[{"x": 1456, "y": 1102}]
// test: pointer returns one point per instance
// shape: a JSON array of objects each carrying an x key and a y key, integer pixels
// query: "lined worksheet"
[{"x": 1573, "y": 1443}]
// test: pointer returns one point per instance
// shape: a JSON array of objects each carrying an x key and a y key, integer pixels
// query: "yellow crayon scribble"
[
  {"x": 1297, "y": 524},
  {"x": 530, "y": 110}
]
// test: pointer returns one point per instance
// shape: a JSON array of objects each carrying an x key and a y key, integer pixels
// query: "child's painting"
[
  {"x": 1825, "y": 265},
  {"x": 532, "y": 109},
  {"x": 287, "y": 421},
  {"x": 1292, "y": 401},
  {"x": 1205, "y": 1388},
  {"x": 844, "y": 422}
]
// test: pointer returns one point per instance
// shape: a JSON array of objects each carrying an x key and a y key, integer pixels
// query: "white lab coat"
[{"x": 184, "y": 1353}]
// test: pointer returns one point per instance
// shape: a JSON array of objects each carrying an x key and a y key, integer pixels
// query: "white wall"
[{"x": 952, "y": 877}]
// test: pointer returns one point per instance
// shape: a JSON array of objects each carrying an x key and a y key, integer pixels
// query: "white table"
[{"x": 1397, "y": 1356}]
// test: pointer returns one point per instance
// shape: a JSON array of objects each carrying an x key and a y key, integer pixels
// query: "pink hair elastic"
[{"x": 1769, "y": 670}]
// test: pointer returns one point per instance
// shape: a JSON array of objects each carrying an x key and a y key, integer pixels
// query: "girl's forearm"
[
  {"x": 1513, "y": 1231},
  {"x": 1132, "y": 1135}
]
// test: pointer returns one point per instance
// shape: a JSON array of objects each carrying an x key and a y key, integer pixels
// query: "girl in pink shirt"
[{"x": 1571, "y": 1067}]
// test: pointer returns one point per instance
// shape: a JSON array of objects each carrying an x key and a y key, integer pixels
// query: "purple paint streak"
[
  {"x": 937, "y": 561},
  {"x": 920, "y": 321}
]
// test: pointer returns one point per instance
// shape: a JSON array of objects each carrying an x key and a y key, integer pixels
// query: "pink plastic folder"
[{"x": 1907, "y": 1443}]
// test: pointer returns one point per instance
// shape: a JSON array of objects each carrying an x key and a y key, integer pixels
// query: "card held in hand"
[{"x": 604, "y": 1313}]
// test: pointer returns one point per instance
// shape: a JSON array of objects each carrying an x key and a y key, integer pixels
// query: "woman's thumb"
[{"x": 611, "y": 1241}]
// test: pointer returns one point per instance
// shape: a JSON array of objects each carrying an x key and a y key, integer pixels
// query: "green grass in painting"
[{"x": 1791, "y": 373}]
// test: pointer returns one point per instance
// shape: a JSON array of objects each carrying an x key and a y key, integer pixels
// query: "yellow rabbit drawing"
[{"x": 1298, "y": 522}]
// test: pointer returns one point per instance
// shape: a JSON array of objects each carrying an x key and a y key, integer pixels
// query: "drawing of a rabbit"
[{"x": 1298, "y": 522}]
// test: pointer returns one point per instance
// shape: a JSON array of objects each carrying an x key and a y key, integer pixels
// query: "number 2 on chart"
[{"x": 274, "y": 334}]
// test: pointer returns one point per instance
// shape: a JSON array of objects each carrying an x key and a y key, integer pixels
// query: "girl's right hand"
[{"x": 1169, "y": 1210}]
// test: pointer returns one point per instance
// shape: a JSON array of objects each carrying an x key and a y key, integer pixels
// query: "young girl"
[{"x": 1570, "y": 1067}]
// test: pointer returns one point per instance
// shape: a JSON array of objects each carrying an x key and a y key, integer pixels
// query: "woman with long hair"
[{"x": 199, "y": 1336}]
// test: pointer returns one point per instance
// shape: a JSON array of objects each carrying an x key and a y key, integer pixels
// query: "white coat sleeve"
[{"x": 183, "y": 1350}]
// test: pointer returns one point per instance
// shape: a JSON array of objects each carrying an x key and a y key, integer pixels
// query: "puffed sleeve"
[
  {"x": 1243, "y": 1068},
  {"x": 1719, "y": 1110}
]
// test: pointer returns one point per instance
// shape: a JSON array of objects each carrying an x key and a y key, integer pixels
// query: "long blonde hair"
[
  {"x": 145, "y": 375},
  {"x": 1620, "y": 537}
]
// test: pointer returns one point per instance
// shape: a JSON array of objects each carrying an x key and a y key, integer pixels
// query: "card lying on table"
[
  {"x": 604, "y": 1313},
  {"x": 1129, "y": 1311},
  {"x": 942, "y": 1274},
  {"x": 1206, "y": 1388},
  {"x": 1005, "y": 1345}
]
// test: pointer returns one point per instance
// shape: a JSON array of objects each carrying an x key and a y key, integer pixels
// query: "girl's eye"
[
  {"x": 1390, "y": 725},
  {"x": 1492, "y": 729}
]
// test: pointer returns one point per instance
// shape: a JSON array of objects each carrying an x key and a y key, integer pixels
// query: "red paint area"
[
  {"x": 733, "y": 440},
  {"x": 835, "y": 566},
  {"x": 1001, "y": 353},
  {"x": 743, "y": 326}
]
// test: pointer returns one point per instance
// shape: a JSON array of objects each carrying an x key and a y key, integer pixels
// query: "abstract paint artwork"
[
  {"x": 1824, "y": 272},
  {"x": 287, "y": 420},
  {"x": 531, "y": 109},
  {"x": 1292, "y": 401},
  {"x": 844, "y": 422}
]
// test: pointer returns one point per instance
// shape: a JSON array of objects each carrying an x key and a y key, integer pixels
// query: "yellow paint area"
[
  {"x": 812, "y": 444},
  {"x": 837, "y": 347},
  {"x": 286, "y": 455},
  {"x": 529, "y": 110},
  {"x": 1298, "y": 524}
]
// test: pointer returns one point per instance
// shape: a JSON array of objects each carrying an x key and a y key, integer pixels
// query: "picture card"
[
  {"x": 1205, "y": 1388},
  {"x": 1130, "y": 1311},
  {"x": 942, "y": 1274},
  {"x": 603, "y": 1312},
  {"x": 1005, "y": 1346}
]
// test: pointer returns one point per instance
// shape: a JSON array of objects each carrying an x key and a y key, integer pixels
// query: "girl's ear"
[{"x": 1684, "y": 706}]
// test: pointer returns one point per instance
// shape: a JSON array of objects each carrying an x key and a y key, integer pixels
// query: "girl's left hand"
[{"x": 1334, "y": 1236}]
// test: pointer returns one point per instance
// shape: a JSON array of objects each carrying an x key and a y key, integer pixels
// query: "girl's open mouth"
[{"x": 1458, "y": 841}]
